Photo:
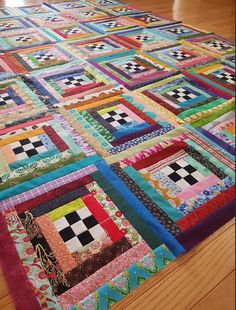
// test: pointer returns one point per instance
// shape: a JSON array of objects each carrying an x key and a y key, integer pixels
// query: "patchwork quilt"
[{"x": 117, "y": 144}]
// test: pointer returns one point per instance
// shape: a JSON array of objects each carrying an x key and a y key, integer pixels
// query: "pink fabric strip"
[
  {"x": 27, "y": 124},
  {"x": 198, "y": 187},
  {"x": 62, "y": 254},
  {"x": 103, "y": 275},
  {"x": 134, "y": 116},
  {"x": 15, "y": 275}
]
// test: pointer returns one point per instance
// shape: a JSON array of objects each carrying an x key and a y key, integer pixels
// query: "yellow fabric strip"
[
  {"x": 66, "y": 209},
  {"x": 97, "y": 103},
  {"x": 26, "y": 135},
  {"x": 103, "y": 111}
]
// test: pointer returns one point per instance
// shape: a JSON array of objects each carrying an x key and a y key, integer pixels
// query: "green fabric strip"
[
  {"x": 201, "y": 108},
  {"x": 153, "y": 194},
  {"x": 213, "y": 116},
  {"x": 144, "y": 230}
]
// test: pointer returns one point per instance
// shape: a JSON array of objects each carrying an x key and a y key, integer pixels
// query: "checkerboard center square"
[
  {"x": 117, "y": 118},
  {"x": 75, "y": 81},
  {"x": 133, "y": 67},
  {"x": 179, "y": 30},
  {"x": 182, "y": 173},
  {"x": 96, "y": 47},
  {"x": 78, "y": 229},
  {"x": 142, "y": 38},
  {"x": 44, "y": 56},
  {"x": 23, "y": 39},
  {"x": 218, "y": 45},
  {"x": 180, "y": 56},
  {"x": 26, "y": 148},
  {"x": 226, "y": 76},
  {"x": 5, "y": 99},
  {"x": 182, "y": 94}
]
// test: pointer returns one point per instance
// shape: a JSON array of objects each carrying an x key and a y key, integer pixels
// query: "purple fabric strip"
[
  {"x": 207, "y": 226},
  {"x": 228, "y": 148},
  {"x": 135, "y": 135}
]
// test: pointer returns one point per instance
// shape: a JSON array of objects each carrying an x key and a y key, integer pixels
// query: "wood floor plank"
[{"x": 225, "y": 290}]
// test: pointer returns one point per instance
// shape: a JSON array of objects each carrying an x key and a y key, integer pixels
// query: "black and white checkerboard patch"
[
  {"x": 141, "y": 37},
  {"x": 29, "y": 147},
  {"x": 74, "y": 81},
  {"x": 179, "y": 30},
  {"x": 227, "y": 77},
  {"x": 181, "y": 94},
  {"x": 133, "y": 67},
  {"x": 182, "y": 173},
  {"x": 5, "y": 100},
  {"x": 44, "y": 56},
  {"x": 181, "y": 56},
  {"x": 117, "y": 118},
  {"x": 96, "y": 47},
  {"x": 23, "y": 39},
  {"x": 218, "y": 45},
  {"x": 78, "y": 229},
  {"x": 73, "y": 30}
]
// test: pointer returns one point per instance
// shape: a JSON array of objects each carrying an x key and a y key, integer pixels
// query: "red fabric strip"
[
  {"x": 112, "y": 230},
  {"x": 161, "y": 102},
  {"x": 103, "y": 218},
  {"x": 95, "y": 208},
  {"x": 33, "y": 122},
  {"x": 138, "y": 112},
  {"x": 60, "y": 144},
  {"x": 19, "y": 285},
  {"x": 50, "y": 195},
  {"x": 206, "y": 209},
  {"x": 151, "y": 160}
]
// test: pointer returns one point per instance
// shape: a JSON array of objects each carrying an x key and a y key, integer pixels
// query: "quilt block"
[
  {"x": 130, "y": 68},
  {"x": 187, "y": 98},
  {"x": 36, "y": 58},
  {"x": 68, "y": 85},
  {"x": 71, "y": 241}
]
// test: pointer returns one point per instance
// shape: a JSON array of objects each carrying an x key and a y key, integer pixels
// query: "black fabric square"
[
  {"x": 190, "y": 169},
  {"x": 123, "y": 115},
  {"x": 67, "y": 234},
  {"x": 72, "y": 218},
  {"x": 37, "y": 143},
  {"x": 18, "y": 150},
  {"x": 174, "y": 176},
  {"x": 112, "y": 113},
  {"x": 31, "y": 152},
  {"x": 175, "y": 166},
  {"x": 85, "y": 238},
  {"x": 24, "y": 141},
  {"x": 90, "y": 222},
  {"x": 122, "y": 121},
  {"x": 190, "y": 179}
]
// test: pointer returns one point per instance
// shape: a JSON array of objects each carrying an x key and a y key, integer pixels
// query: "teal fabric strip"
[
  {"x": 33, "y": 159},
  {"x": 28, "y": 185},
  {"x": 153, "y": 194}
]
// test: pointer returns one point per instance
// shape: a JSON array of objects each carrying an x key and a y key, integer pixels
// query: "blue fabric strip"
[{"x": 140, "y": 209}]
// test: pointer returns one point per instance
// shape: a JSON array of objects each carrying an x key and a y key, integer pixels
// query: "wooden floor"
[{"x": 202, "y": 279}]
